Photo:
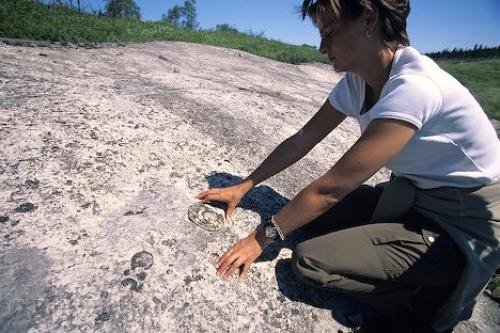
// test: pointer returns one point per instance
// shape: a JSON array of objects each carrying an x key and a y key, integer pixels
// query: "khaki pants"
[{"x": 385, "y": 264}]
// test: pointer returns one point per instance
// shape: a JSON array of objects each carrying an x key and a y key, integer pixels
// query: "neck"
[{"x": 375, "y": 71}]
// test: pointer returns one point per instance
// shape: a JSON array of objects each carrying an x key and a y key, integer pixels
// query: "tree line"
[
  {"x": 182, "y": 16},
  {"x": 478, "y": 52},
  {"x": 179, "y": 15}
]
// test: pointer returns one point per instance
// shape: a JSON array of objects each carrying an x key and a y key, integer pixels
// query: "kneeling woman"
[{"x": 435, "y": 226}]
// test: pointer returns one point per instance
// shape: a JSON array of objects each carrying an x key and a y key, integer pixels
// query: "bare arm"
[
  {"x": 297, "y": 146},
  {"x": 382, "y": 140}
]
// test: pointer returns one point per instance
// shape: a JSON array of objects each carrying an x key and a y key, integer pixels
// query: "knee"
[
  {"x": 305, "y": 267},
  {"x": 309, "y": 267},
  {"x": 297, "y": 260}
]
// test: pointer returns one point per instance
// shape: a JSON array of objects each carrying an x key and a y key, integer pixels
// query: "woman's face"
[{"x": 345, "y": 43}]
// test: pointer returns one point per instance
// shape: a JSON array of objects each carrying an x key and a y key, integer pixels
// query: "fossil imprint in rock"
[{"x": 205, "y": 216}]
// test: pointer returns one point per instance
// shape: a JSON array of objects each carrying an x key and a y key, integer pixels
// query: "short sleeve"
[
  {"x": 346, "y": 95},
  {"x": 411, "y": 98}
]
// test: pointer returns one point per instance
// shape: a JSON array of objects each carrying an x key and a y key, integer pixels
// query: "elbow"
[
  {"x": 330, "y": 195},
  {"x": 326, "y": 197},
  {"x": 299, "y": 144},
  {"x": 331, "y": 199}
]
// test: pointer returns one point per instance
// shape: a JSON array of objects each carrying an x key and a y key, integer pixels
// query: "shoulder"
[
  {"x": 413, "y": 86},
  {"x": 347, "y": 94},
  {"x": 412, "y": 68}
]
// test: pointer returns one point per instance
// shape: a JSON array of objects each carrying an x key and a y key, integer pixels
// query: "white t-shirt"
[{"x": 455, "y": 144}]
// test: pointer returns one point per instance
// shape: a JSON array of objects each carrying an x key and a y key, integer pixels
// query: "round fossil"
[{"x": 206, "y": 216}]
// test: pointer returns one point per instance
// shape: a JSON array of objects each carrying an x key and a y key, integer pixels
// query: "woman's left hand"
[{"x": 241, "y": 255}]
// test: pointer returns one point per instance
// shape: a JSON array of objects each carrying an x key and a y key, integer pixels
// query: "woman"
[{"x": 433, "y": 229}]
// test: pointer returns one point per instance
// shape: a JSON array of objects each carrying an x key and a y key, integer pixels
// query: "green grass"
[
  {"x": 482, "y": 78},
  {"x": 31, "y": 20}
]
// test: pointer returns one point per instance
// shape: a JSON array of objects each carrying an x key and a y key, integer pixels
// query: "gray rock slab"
[{"x": 102, "y": 153}]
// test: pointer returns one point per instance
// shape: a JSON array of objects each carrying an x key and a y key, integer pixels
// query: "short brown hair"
[{"x": 392, "y": 15}]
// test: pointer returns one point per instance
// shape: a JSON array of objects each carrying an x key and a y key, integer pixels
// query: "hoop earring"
[{"x": 369, "y": 34}]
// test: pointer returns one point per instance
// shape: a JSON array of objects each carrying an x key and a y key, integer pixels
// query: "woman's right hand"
[{"x": 230, "y": 195}]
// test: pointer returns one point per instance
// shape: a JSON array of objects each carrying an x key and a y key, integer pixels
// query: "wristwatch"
[{"x": 270, "y": 231}]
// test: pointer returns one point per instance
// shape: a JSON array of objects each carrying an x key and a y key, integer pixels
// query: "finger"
[
  {"x": 223, "y": 257},
  {"x": 230, "y": 270},
  {"x": 225, "y": 264},
  {"x": 244, "y": 272},
  {"x": 229, "y": 212},
  {"x": 212, "y": 190},
  {"x": 203, "y": 193},
  {"x": 212, "y": 197}
]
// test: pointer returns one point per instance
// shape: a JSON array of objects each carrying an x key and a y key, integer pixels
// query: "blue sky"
[{"x": 433, "y": 25}]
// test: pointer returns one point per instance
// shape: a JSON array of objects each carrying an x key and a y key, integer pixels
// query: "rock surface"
[{"x": 102, "y": 152}]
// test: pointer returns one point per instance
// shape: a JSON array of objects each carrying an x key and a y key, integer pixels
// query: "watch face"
[{"x": 271, "y": 232}]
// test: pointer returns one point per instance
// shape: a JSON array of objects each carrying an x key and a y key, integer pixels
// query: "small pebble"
[
  {"x": 25, "y": 207},
  {"x": 86, "y": 205},
  {"x": 32, "y": 183},
  {"x": 3, "y": 219},
  {"x": 104, "y": 316},
  {"x": 169, "y": 242}
]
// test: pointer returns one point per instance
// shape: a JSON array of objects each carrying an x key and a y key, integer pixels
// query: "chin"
[{"x": 338, "y": 69}]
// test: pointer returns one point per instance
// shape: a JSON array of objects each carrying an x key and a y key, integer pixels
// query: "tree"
[
  {"x": 123, "y": 8},
  {"x": 173, "y": 15},
  {"x": 189, "y": 12},
  {"x": 186, "y": 12}
]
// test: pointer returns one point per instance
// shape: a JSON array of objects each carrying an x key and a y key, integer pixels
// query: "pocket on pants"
[
  {"x": 415, "y": 253},
  {"x": 423, "y": 236}
]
